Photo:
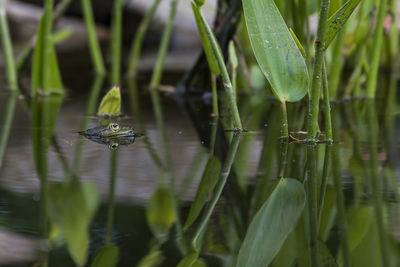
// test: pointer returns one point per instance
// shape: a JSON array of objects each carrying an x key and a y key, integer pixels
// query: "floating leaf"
[
  {"x": 189, "y": 259},
  {"x": 275, "y": 50},
  {"x": 160, "y": 212},
  {"x": 45, "y": 77},
  {"x": 206, "y": 186},
  {"x": 211, "y": 58},
  {"x": 110, "y": 105},
  {"x": 71, "y": 208},
  {"x": 272, "y": 224},
  {"x": 336, "y": 21},
  {"x": 107, "y": 257}
]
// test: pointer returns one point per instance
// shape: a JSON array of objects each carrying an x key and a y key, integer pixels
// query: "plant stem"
[
  {"x": 94, "y": 46},
  {"x": 327, "y": 105},
  {"x": 111, "y": 196},
  {"x": 6, "y": 124},
  {"x": 224, "y": 72},
  {"x": 138, "y": 41},
  {"x": 218, "y": 188},
  {"x": 116, "y": 42},
  {"x": 47, "y": 44},
  {"x": 7, "y": 48},
  {"x": 376, "y": 51},
  {"x": 324, "y": 180},
  {"x": 215, "y": 114},
  {"x": 313, "y": 106}
]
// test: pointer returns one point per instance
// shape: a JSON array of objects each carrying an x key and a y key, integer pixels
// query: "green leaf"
[
  {"x": 199, "y": 263},
  {"x": 160, "y": 213},
  {"x": 107, "y": 257},
  {"x": 39, "y": 69},
  {"x": 232, "y": 55},
  {"x": 337, "y": 20},
  {"x": 153, "y": 259},
  {"x": 211, "y": 58},
  {"x": 272, "y": 224},
  {"x": 71, "y": 208},
  {"x": 110, "y": 105},
  {"x": 359, "y": 219},
  {"x": 325, "y": 256},
  {"x": 206, "y": 186},
  {"x": 275, "y": 50},
  {"x": 298, "y": 43},
  {"x": 61, "y": 35},
  {"x": 188, "y": 260}
]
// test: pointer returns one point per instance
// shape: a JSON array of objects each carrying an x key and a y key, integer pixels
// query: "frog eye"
[
  {"x": 114, "y": 126},
  {"x": 113, "y": 145}
]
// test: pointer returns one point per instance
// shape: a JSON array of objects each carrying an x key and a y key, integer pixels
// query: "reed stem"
[
  {"x": 327, "y": 105},
  {"x": 94, "y": 47},
  {"x": 7, "y": 48},
  {"x": 111, "y": 196},
  {"x": 116, "y": 42},
  {"x": 6, "y": 123},
  {"x": 376, "y": 51},
  {"x": 313, "y": 106},
  {"x": 138, "y": 40},
  {"x": 47, "y": 44}
]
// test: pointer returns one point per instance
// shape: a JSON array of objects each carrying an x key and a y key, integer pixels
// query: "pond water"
[{"x": 41, "y": 173}]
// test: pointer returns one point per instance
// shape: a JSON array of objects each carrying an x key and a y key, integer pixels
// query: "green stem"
[
  {"x": 374, "y": 180},
  {"x": 376, "y": 51},
  {"x": 311, "y": 174},
  {"x": 324, "y": 180},
  {"x": 327, "y": 105},
  {"x": 313, "y": 106},
  {"x": 138, "y": 41},
  {"x": 111, "y": 196},
  {"x": 218, "y": 188},
  {"x": 94, "y": 46},
  {"x": 224, "y": 72},
  {"x": 47, "y": 44},
  {"x": 116, "y": 42},
  {"x": 6, "y": 124},
  {"x": 7, "y": 48},
  {"x": 215, "y": 114}
]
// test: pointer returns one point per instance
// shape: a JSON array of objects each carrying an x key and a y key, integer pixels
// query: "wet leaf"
[
  {"x": 110, "y": 105},
  {"x": 337, "y": 20},
  {"x": 325, "y": 256},
  {"x": 107, "y": 257},
  {"x": 45, "y": 77},
  {"x": 272, "y": 224},
  {"x": 153, "y": 259},
  {"x": 71, "y": 208},
  {"x": 211, "y": 58},
  {"x": 160, "y": 213},
  {"x": 188, "y": 260},
  {"x": 275, "y": 50},
  {"x": 206, "y": 186}
]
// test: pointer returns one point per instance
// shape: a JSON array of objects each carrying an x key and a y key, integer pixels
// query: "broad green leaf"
[
  {"x": 325, "y": 256},
  {"x": 153, "y": 259},
  {"x": 160, "y": 213},
  {"x": 107, "y": 257},
  {"x": 110, "y": 105},
  {"x": 298, "y": 43},
  {"x": 39, "y": 69},
  {"x": 188, "y": 260},
  {"x": 211, "y": 59},
  {"x": 276, "y": 52},
  {"x": 71, "y": 208},
  {"x": 337, "y": 20},
  {"x": 206, "y": 186},
  {"x": 272, "y": 224}
]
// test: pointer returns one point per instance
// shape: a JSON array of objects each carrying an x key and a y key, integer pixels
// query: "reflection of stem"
[
  {"x": 337, "y": 179},
  {"x": 111, "y": 196},
  {"x": 218, "y": 188},
  {"x": 8, "y": 118},
  {"x": 90, "y": 109},
  {"x": 311, "y": 174},
  {"x": 374, "y": 182},
  {"x": 324, "y": 180}
]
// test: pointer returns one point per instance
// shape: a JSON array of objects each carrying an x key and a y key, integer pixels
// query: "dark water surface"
[{"x": 364, "y": 169}]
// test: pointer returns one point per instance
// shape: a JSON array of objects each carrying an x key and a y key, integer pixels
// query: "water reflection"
[{"x": 131, "y": 214}]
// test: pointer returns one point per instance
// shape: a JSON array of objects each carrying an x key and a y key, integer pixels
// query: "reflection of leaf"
[
  {"x": 327, "y": 212},
  {"x": 71, "y": 208},
  {"x": 359, "y": 221},
  {"x": 275, "y": 50},
  {"x": 153, "y": 259},
  {"x": 272, "y": 224},
  {"x": 206, "y": 186},
  {"x": 325, "y": 256},
  {"x": 337, "y": 20},
  {"x": 46, "y": 77},
  {"x": 160, "y": 212},
  {"x": 188, "y": 260},
  {"x": 110, "y": 105},
  {"x": 107, "y": 257}
]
